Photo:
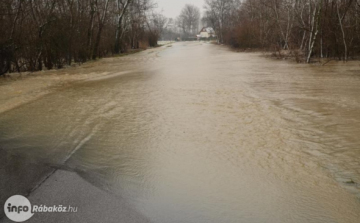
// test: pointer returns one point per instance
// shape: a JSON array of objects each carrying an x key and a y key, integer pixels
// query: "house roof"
[{"x": 208, "y": 30}]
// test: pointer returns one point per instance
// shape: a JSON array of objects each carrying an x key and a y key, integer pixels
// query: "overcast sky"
[{"x": 172, "y": 8}]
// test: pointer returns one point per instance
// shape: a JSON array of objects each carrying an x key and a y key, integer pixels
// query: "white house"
[{"x": 206, "y": 32}]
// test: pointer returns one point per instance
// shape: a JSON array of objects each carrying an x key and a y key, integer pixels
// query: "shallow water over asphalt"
[{"x": 197, "y": 133}]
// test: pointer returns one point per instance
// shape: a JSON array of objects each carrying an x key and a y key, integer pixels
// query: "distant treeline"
[
  {"x": 310, "y": 28},
  {"x": 52, "y": 33}
]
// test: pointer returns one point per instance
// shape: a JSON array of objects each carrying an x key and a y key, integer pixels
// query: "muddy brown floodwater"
[{"x": 197, "y": 133}]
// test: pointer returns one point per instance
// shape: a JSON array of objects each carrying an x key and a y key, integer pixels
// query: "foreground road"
[
  {"x": 196, "y": 133},
  {"x": 93, "y": 204}
]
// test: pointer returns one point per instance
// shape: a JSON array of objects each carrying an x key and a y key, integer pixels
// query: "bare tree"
[
  {"x": 122, "y": 6},
  {"x": 219, "y": 12},
  {"x": 314, "y": 22},
  {"x": 101, "y": 22},
  {"x": 189, "y": 20},
  {"x": 322, "y": 28},
  {"x": 341, "y": 17},
  {"x": 39, "y": 34}
]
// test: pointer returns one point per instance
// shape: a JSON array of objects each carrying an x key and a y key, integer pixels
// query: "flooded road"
[{"x": 197, "y": 133}]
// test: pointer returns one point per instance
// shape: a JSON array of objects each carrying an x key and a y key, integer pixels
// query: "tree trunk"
[
  {"x": 90, "y": 30},
  {"x": 119, "y": 23},
  {"x": 314, "y": 29},
  {"x": 342, "y": 30},
  {"x": 98, "y": 36}
]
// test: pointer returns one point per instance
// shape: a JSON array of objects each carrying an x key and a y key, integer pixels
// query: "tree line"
[
  {"x": 308, "y": 28},
  {"x": 188, "y": 21},
  {"x": 185, "y": 26},
  {"x": 38, "y": 34}
]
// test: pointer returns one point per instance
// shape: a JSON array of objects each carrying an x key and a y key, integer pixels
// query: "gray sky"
[{"x": 172, "y": 8}]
